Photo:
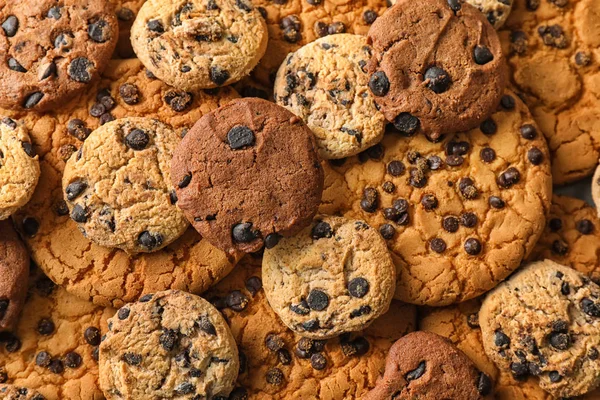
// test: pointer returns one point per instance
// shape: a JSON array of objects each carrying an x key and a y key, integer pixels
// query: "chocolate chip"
[
  {"x": 593, "y": 354},
  {"x": 437, "y": 79},
  {"x": 75, "y": 189},
  {"x": 56, "y": 366},
  {"x": 238, "y": 393},
  {"x": 42, "y": 359},
  {"x": 30, "y": 226},
  {"x": 32, "y": 100},
  {"x": 92, "y": 335},
  {"x": 237, "y": 301},
  {"x": 99, "y": 31},
  {"x": 77, "y": 128},
  {"x": 565, "y": 289},
  {"x": 496, "y": 202},
  {"x": 375, "y": 152},
  {"x": 321, "y": 29},
  {"x": 274, "y": 342},
  {"x": 28, "y": 149},
  {"x": 336, "y": 27},
  {"x": 467, "y": 189},
  {"x": 560, "y": 247},
  {"x": 184, "y": 388},
  {"x": 274, "y": 376},
  {"x": 45, "y": 327},
  {"x": 179, "y": 100},
  {"x": 455, "y": 5},
  {"x": 243, "y": 233},
  {"x": 185, "y": 181},
  {"x": 472, "y": 246},
  {"x": 369, "y": 16},
  {"x": 429, "y": 202},
  {"x": 450, "y": 224},
  {"x": 125, "y": 14},
  {"x": 156, "y": 26},
  {"x": 80, "y": 70},
  {"x": 388, "y": 187},
  {"x": 487, "y": 155},
  {"x": 317, "y": 300},
  {"x": 240, "y": 136},
  {"x": 482, "y": 55},
  {"x": 73, "y": 360},
  {"x": 218, "y": 75},
  {"x": 358, "y": 287},
  {"x": 528, "y": 132},
  {"x": 387, "y": 231},
  {"x": 555, "y": 224},
  {"x": 554, "y": 376},
  {"x": 417, "y": 372},
  {"x": 553, "y": 36},
  {"x": 318, "y": 361},
  {"x": 300, "y": 308},
  {"x": 311, "y": 325},
  {"x": 379, "y": 84},
  {"x": 507, "y": 102},
  {"x": 407, "y": 124},
  {"x": 284, "y": 357},
  {"x": 168, "y": 339},
  {"x": 488, "y": 127},
  {"x": 535, "y": 156},
  {"x": 15, "y": 65},
  {"x": 473, "y": 320},
  {"x": 4, "y": 303},
  {"x": 243, "y": 5},
  {"x": 590, "y": 308},
  {"x": 582, "y": 59},
  {"x": 137, "y": 139},
  {"x": 560, "y": 341},
  {"x": 396, "y": 168},
  {"x": 509, "y": 178},
  {"x": 132, "y": 358},
  {"x": 10, "y": 26},
  {"x": 501, "y": 340},
  {"x": 123, "y": 313},
  {"x": 468, "y": 220},
  {"x": 585, "y": 226},
  {"x": 370, "y": 200},
  {"x": 438, "y": 245},
  {"x": 129, "y": 93}
]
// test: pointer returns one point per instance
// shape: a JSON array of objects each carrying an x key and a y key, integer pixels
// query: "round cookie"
[
  {"x": 14, "y": 272},
  {"x": 19, "y": 167},
  {"x": 126, "y": 11},
  {"x": 247, "y": 174},
  {"x": 199, "y": 44},
  {"x": 459, "y": 215},
  {"x": 168, "y": 345},
  {"x": 324, "y": 83},
  {"x": 552, "y": 50},
  {"x": 54, "y": 348},
  {"x": 423, "y": 365},
  {"x": 596, "y": 189},
  {"x": 278, "y": 364},
  {"x": 52, "y": 51},
  {"x": 335, "y": 276},
  {"x": 111, "y": 276},
  {"x": 118, "y": 186},
  {"x": 544, "y": 321},
  {"x": 11, "y": 392},
  {"x": 436, "y": 68}
]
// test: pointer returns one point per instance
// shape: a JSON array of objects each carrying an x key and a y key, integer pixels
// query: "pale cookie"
[
  {"x": 54, "y": 348},
  {"x": 276, "y": 364},
  {"x": 110, "y": 276},
  {"x": 11, "y": 392},
  {"x": 596, "y": 189},
  {"x": 170, "y": 345},
  {"x": 545, "y": 321},
  {"x": 326, "y": 85},
  {"x": 19, "y": 167},
  {"x": 118, "y": 186},
  {"x": 199, "y": 44},
  {"x": 553, "y": 52},
  {"x": 335, "y": 276},
  {"x": 14, "y": 272},
  {"x": 458, "y": 215}
]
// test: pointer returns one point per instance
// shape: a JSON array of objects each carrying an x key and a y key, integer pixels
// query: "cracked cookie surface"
[
  {"x": 199, "y": 44},
  {"x": 168, "y": 345},
  {"x": 436, "y": 68},
  {"x": 14, "y": 270},
  {"x": 51, "y": 51},
  {"x": 333, "y": 277},
  {"x": 11, "y": 392},
  {"x": 458, "y": 215}
]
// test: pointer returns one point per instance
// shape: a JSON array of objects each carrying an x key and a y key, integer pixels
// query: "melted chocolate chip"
[
  {"x": 318, "y": 361},
  {"x": 137, "y": 139},
  {"x": 130, "y": 93},
  {"x": 590, "y": 308},
  {"x": 370, "y": 200},
  {"x": 396, "y": 168}
]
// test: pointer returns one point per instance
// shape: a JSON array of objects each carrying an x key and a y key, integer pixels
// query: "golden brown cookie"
[
  {"x": 14, "y": 272},
  {"x": 11, "y": 392},
  {"x": 126, "y": 11}
]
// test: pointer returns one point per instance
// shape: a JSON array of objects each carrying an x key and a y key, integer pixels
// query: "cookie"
[
  {"x": 459, "y": 215},
  {"x": 126, "y": 11},
  {"x": 437, "y": 68},
  {"x": 247, "y": 174},
  {"x": 279, "y": 364},
  {"x": 552, "y": 50},
  {"x": 111, "y": 276},
  {"x": 14, "y": 270},
  {"x": 544, "y": 321},
  {"x": 324, "y": 83},
  {"x": 54, "y": 348},
  {"x": 19, "y": 167},
  {"x": 11, "y": 392},
  {"x": 52, "y": 51},
  {"x": 199, "y": 44},
  {"x": 118, "y": 186},
  {"x": 596, "y": 189},
  {"x": 168, "y": 345},
  {"x": 423, "y": 365}
]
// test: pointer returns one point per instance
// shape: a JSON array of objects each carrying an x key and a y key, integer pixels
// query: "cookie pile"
[{"x": 299, "y": 199}]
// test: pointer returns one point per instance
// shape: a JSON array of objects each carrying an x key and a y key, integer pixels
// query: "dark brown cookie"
[
  {"x": 437, "y": 66},
  {"x": 14, "y": 272},
  {"x": 425, "y": 366},
  {"x": 50, "y": 50},
  {"x": 246, "y": 174}
]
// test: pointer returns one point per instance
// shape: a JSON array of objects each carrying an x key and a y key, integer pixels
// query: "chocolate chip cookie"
[
  {"x": 545, "y": 321},
  {"x": 126, "y": 11},
  {"x": 14, "y": 272},
  {"x": 11, "y": 392},
  {"x": 53, "y": 50},
  {"x": 325, "y": 84},
  {"x": 423, "y": 365},
  {"x": 168, "y": 345},
  {"x": 19, "y": 167},
  {"x": 335, "y": 276},
  {"x": 596, "y": 189},
  {"x": 437, "y": 67},
  {"x": 111, "y": 276},
  {"x": 460, "y": 214},
  {"x": 199, "y": 44},
  {"x": 248, "y": 174},
  {"x": 118, "y": 186}
]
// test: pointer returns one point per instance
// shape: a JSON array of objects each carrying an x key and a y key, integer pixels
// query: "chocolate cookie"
[
  {"x": 545, "y": 321},
  {"x": 111, "y": 276},
  {"x": 459, "y": 215},
  {"x": 423, "y": 365},
  {"x": 325, "y": 84},
  {"x": 14, "y": 272},
  {"x": 168, "y": 345},
  {"x": 19, "y": 167},
  {"x": 335, "y": 276},
  {"x": 247, "y": 174},
  {"x": 437, "y": 67},
  {"x": 11, "y": 392},
  {"x": 118, "y": 186},
  {"x": 199, "y": 44},
  {"x": 53, "y": 50}
]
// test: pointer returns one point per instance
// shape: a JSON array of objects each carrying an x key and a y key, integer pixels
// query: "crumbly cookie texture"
[
  {"x": 19, "y": 167},
  {"x": 248, "y": 174},
  {"x": 118, "y": 186},
  {"x": 545, "y": 321},
  {"x": 199, "y": 44},
  {"x": 437, "y": 68},
  {"x": 335, "y": 276},
  {"x": 458, "y": 215},
  {"x": 278, "y": 364},
  {"x": 110, "y": 276},
  {"x": 126, "y": 11},
  {"x": 54, "y": 348},
  {"x": 325, "y": 84},
  {"x": 11, "y": 392},
  {"x": 168, "y": 345},
  {"x": 52, "y": 51},
  {"x": 552, "y": 50},
  {"x": 423, "y": 365}
]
